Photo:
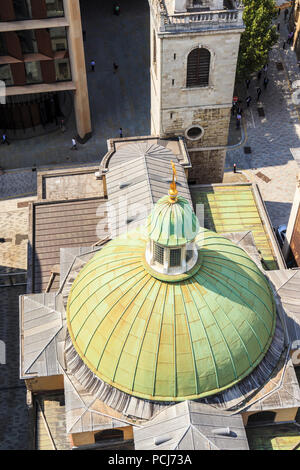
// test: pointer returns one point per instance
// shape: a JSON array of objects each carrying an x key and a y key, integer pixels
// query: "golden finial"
[{"x": 173, "y": 190}]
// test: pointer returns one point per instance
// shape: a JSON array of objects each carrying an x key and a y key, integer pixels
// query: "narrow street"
[{"x": 273, "y": 138}]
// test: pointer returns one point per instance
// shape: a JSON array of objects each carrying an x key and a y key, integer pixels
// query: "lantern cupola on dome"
[{"x": 172, "y": 228}]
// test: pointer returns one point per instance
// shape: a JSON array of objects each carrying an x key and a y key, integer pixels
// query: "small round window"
[{"x": 194, "y": 132}]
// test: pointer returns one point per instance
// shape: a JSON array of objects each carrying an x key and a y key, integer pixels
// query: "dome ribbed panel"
[
  {"x": 172, "y": 224},
  {"x": 171, "y": 341}
]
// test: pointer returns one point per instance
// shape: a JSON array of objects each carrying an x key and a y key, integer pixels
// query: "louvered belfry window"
[
  {"x": 158, "y": 254},
  {"x": 198, "y": 67}
]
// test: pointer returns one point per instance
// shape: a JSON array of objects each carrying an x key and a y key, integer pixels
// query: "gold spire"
[{"x": 173, "y": 190}]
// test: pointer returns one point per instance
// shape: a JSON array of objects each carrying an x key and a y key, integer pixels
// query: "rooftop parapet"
[{"x": 168, "y": 21}]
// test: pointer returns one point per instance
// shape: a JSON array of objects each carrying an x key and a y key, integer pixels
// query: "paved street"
[{"x": 274, "y": 137}]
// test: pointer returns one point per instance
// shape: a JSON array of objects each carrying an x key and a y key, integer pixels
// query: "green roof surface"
[
  {"x": 172, "y": 224},
  {"x": 171, "y": 341},
  {"x": 233, "y": 209},
  {"x": 274, "y": 437}
]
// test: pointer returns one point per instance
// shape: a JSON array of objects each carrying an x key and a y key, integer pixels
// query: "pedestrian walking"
[
  {"x": 259, "y": 75},
  {"x": 266, "y": 81},
  {"x": 258, "y": 91},
  {"x": 278, "y": 26},
  {"x": 116, "y": 9},
  {"x": 283, "y": 45},
  {"x": 62, "y": 125},
  {"x": 238, "y": 120},
  {"x": 74, "y": 144},
  {"x": 265, "y": 68},
  {"x": 291, "y": 37},
  {"x": 4, "y": 139},
  {"x": 234, "y": 168},
  {"x": 286, "y": 12},
  {"x": 93, "y": 63},
  {"x": 248, "y": 101},
  {"x": 247, "y": 83},
  {"x": 121, "y": 132},
  {"x": 115, "y": 66},
  {"x": 279, "y": 11}
]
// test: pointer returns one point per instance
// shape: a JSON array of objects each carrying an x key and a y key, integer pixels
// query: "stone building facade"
[{"x": 194, "y": 50}]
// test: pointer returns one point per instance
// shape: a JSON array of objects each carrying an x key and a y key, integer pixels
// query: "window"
[
  {"x": 198, "y": 64},
  {"x": 59, "y": 39},
  {"x": 33, "y": 72},
  {"x": 158, "y": 254},
  {"x": 62, "y": 70},
  {"x": 3, "y": 47},
  {"x": 194, "y": 132},
  {"x": 55, "y": 8},
  {"x": 5, "y": 74},
  {"x": 28, "y": 41},
  {"x": 22, "y": 9},
  {"x": 175, "y": 258}
]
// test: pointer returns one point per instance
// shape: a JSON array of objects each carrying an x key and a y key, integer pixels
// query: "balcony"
[{"x": 198, "y": 21}]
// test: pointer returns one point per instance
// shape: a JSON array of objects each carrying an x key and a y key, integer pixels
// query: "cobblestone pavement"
[
  {"x": 273, "y": 138},
  {"x": 17, "y": 183},
  {"x": 116, "y": 100}
]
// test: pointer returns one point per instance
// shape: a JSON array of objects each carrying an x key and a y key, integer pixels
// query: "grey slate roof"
[
  {"x": 287, "y": 285},
  {"x": 192, "y": 426},
  {"x": 135, "y": 185},
  {"x": 42, "y": 335}
]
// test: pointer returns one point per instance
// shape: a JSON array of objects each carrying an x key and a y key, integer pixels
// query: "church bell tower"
[{"x": 194, "y": 50}]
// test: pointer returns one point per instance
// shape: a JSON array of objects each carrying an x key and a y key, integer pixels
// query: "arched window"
[{"x": 198, "y": 64}]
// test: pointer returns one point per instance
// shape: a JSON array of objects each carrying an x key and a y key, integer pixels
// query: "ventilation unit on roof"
[
  {"x": 161, "y": 440},
  {"x": 222, "y": 431}
]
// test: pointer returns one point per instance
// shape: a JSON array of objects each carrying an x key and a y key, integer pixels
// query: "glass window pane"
[
  {"x": 33, "y": 72},
  {"x": 28, "y": 41},
  {"x": 22, "y": 9},
  {"x": 6, "y": 75},
  {"x": 59, "y": 39},
  {"x": 3, "y": 48},
  {"x": 55, "y": 8},
  {"x": 63, "y": 70}
]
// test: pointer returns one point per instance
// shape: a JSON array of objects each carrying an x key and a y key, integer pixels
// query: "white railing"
[{"x": 206, "y": 19}]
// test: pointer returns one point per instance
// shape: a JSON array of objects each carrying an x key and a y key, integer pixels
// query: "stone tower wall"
[{"x": 175, "y": 107}]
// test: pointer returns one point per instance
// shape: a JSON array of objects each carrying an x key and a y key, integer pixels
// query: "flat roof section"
[
  {"x": 61, "y": 224},
  {"x": 233, "y": 208},
  {"x": 276, "y": 437}
]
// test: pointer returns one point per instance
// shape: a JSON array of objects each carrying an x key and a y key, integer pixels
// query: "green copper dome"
[
  {"x": 171, "y": 341},
  {"x": 172, "y": 224}
]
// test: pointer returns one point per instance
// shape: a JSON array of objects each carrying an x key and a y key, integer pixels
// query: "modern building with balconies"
[{"x": 42, "y": 57}]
